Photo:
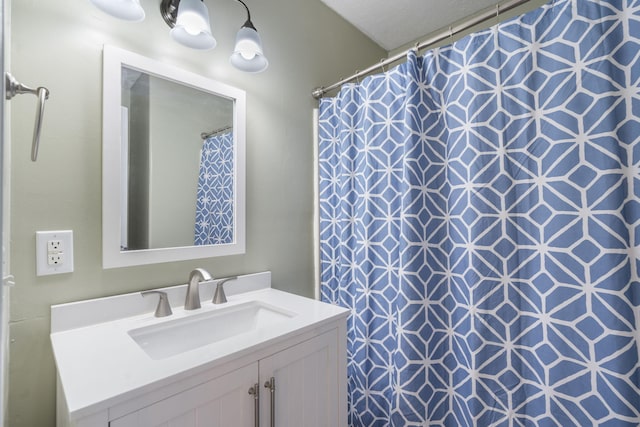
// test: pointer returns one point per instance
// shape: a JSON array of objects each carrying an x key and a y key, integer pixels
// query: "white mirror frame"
[{"x": 112, "y": 256}]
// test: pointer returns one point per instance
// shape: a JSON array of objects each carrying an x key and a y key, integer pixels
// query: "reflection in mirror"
[
  {"x": 174, "y": 143},
  {"x": 166, "y": 121},
  {"x": 214, "y": 201}
]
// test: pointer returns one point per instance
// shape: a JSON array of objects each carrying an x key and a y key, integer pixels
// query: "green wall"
[{"x": 58, "y": 44}]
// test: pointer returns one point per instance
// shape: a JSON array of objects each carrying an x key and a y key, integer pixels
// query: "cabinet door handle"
[
  {"x": 271, "y": 385},
  {"x": 255, "y": 392}
]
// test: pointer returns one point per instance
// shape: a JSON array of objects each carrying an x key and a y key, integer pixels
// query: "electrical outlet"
[
  {"x": 54, "y": 252},
  {"x": 54, "y": 245},
  {"x": 55, "y": 258}
]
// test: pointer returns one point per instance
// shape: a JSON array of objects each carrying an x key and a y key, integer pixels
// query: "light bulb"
[
  {"x": 193, "y": 23},
  {"x": 247, "y": 55},
  {"x": 247, "y": 48}
]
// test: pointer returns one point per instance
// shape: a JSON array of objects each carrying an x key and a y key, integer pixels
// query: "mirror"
[{"x": 173, "y": 163}]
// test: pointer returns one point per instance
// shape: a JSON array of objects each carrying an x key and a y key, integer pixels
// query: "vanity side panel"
[
  {"x": 343, "y": 414},
  {"x": 100, "y": 419},
  {"x": 62, "y": 411}
]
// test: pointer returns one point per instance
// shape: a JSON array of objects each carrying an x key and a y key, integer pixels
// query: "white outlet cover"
[{"x": 42, "y": 238}]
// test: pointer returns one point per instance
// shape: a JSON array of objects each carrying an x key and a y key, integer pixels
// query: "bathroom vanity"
[{"x": 264, "y": 358}]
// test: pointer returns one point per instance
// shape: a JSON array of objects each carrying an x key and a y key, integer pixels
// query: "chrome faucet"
[
  {"x": 219, "y": 297},
  {"x": 193, "y": 291}
]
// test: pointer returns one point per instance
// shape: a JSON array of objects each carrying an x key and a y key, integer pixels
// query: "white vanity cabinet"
[
  {"x": 120, "y": 366},
  {"x": 305, "y": 393}
]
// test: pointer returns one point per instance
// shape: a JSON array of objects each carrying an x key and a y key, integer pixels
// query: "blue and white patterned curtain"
[
  {"x": 480, "y": 215},
  {"x": 214, "y": 206}
]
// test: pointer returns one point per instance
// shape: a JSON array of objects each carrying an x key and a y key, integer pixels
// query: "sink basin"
[{"x": 177, "y": 336}]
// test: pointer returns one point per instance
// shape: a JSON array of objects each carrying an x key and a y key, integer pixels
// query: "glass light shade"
[
  {"x": 128, "y": 10},
  {"x": 192, "y": 26},
  {"x": 248, "y": 55}
]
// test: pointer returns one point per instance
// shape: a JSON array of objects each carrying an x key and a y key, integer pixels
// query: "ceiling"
[{"x": 393, "y": 24}]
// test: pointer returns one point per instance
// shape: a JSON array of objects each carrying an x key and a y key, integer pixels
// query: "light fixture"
[
  {"x": 248, "y": 55},
  {"x": 189, "y": 22},
  {"x": 190, "y": 26},
  {"x": 129, "y": 10}
]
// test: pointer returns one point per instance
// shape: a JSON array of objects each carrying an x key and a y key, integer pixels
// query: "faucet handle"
[
  {"x": 164, "y": 308},
  {"x": 219, "y": 297}
]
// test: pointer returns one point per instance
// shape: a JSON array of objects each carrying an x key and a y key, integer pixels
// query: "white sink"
[{"x": 176, "y": 336}]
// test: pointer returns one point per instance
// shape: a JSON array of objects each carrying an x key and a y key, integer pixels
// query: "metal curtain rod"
[
  {"x": 205, "y": 135},
  {"x": 317, "y": 93}
]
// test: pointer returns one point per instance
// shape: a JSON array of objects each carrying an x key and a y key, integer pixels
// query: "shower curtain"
[
  {"x": 480, "y": 216},
  {"x": 214, "y": 204}
]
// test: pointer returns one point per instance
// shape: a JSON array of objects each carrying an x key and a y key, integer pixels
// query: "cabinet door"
[
  {"x": 222, "y": 402},
  {"x": 306, "y": 385}
]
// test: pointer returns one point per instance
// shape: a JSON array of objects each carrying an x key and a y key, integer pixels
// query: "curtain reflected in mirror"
[
  {"x": 214, "y": 208},
  {"x": 170, "y": 202}
]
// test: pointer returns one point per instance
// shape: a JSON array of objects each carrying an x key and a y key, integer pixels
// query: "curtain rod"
[
  {"x": 205, "y": 135},
  {"x": 488, "y": 14}
]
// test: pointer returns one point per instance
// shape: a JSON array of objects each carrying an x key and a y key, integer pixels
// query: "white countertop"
[{"x": 100, "y": 365}]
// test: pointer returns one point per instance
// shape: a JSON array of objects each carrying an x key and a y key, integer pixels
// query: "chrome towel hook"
[{"x": 13, "y": 88}]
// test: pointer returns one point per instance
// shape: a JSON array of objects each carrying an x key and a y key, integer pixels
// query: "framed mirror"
[{"x": 173, "y": 163}]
